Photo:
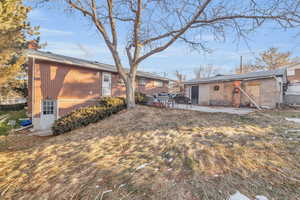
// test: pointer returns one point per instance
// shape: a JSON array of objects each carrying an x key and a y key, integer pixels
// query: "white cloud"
[{"x": 54, "y": 32}]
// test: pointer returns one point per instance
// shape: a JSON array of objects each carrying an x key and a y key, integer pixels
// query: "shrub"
[
  {"x": 84, "y": 116},
  {"x": 140, "y": 98},
  {"x": 111, "y": 101},
  {"x": 12, "y": 107}
]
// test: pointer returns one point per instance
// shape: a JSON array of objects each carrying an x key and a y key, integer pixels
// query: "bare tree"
[
  {"x": 87, "y": 53},
  {"x": 273, "y": 59},
  {"x": 247, "y": 67},
  {"x": 180, "y": 78},
  {"x": 148, "y": 27},
  {"x": 205, "y": 71},
  {"x": 268, "y": 60}
]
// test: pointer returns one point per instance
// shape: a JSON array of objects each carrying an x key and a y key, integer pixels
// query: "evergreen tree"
[{"x": 14, "y": 29}]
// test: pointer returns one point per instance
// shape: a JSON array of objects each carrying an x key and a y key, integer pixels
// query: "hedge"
[
  {"x": 13, "y": 107},
  {"x": 84, "y": 116}
]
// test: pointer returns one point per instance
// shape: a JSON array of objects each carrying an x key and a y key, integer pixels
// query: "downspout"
[
  {"x": 278, "y": 81},
  {"x": 32, "y": 88}
]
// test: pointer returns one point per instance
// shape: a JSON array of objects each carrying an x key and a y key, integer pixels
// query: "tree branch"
[
  {"x": 177, "y": 35},
  {"x": 112, "y": 22}
]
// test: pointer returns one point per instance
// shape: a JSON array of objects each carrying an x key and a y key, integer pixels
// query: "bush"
[
  {"x": 84, "y": 116},
  {"x": 140, "y": 98},
  {"x": 13, "y": 107}
]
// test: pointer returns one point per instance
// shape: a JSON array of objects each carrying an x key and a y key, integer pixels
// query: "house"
[
  {"x": 255, "y": 89},
  {"x": 59, "y": 84},
  {"x": 293, "y": 73},
  {"x": 293, "y": 90}
]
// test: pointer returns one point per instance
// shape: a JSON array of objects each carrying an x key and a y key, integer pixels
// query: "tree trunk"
[{"x": 130, "y": 96}]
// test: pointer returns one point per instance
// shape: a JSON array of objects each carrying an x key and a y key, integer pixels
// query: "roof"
[
  {"x": 84, "y": 63},
  {"x": 251, "y": 75}
]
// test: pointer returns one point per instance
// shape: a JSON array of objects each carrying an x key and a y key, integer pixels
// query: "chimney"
[{"x": 32, "y": 44}]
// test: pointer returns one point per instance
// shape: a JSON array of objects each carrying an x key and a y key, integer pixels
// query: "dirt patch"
[{"x": 151, "y": 153}]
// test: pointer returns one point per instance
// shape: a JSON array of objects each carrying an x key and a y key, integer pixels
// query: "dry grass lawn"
[{"x": 150, "y": 153}]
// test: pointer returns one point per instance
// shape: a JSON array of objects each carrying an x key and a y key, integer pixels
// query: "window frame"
[{"x": 48, "y": 107}]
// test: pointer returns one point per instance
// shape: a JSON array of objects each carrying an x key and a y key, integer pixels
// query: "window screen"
[{"x": 48, "y": 107}]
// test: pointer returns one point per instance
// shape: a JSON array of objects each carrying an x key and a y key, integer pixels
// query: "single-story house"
[
  {"x": 255, "y": 89},
  {"x": 59, "y": 84}
]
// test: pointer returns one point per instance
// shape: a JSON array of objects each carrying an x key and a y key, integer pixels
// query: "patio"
[{"x": 214, "y": 109}]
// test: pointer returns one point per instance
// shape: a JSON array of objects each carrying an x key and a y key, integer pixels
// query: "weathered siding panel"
[
  {"x": 267, "y": 92},
  {"x": 203, "y": 94},
  {"x": 216, "y": 96},
  {"x": 252, "y": 88},
  {"x": 228, "y": 93},
  {"x": 270, "y": 93}
]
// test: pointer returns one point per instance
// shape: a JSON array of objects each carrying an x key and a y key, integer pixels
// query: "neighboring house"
[
  {"x": 293, "y": 73},
  {"x": 293, "y": 89},
  {"x": 59, "y": 84},
  {"x": 263, "y": 88}
]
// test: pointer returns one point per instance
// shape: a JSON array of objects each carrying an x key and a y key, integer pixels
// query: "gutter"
[{"x": 281, "y": 88}]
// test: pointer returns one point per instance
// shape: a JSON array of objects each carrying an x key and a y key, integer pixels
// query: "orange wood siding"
[{"x": 63, "y": 82}]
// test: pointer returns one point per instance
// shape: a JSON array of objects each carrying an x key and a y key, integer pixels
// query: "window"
[
  {"x": 216, "y": 88},
  {"x": 106, "y": 79},
  {"x": 48, "y": 107},
  {"x": 158, "y": 84},
  {"x": 290, "y": 72},
  {"x": 142, "y": 81}
]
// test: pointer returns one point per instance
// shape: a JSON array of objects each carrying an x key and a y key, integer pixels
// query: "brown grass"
[{"x": 184, "y": 154}]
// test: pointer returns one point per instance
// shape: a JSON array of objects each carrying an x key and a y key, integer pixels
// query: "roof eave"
[
  {"x": 244, "y": 79},
  {"x": 90, "y": 66}
]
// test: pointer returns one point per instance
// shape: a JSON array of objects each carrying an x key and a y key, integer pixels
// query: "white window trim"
[{"x": 102, "y": 80}]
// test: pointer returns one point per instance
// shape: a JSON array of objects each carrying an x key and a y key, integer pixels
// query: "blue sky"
[{"x": 71, "y": 35}]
